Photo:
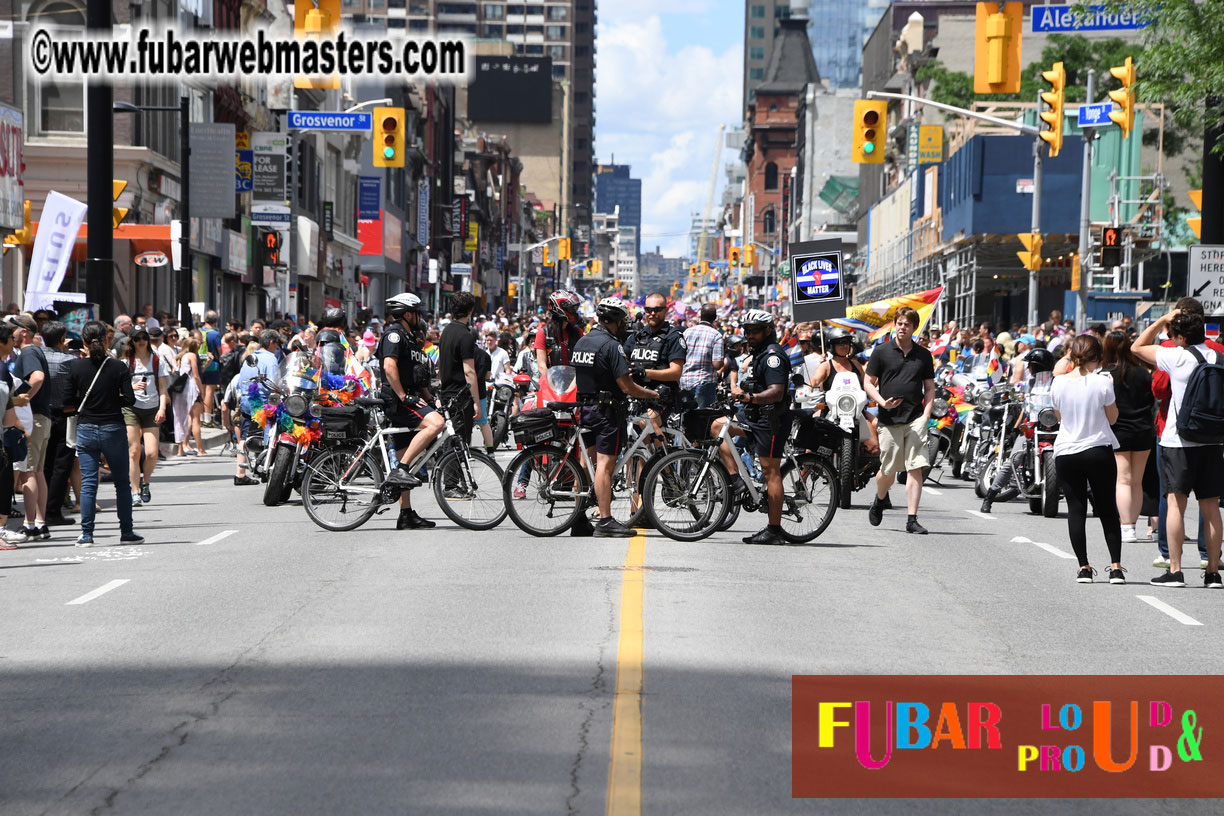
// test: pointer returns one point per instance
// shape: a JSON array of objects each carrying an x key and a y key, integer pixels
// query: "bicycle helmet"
[
  {"x": 402, "y": 303},
  {"x": 1039, "y": 360},
  {"x": 612, "y": 308},
  {"x": 333, "y": 318},
  {"x": 563, "y": 304},
  {"x": 757, "y": 317}
]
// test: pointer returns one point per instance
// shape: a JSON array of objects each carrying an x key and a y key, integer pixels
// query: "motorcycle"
[
  {"x": 294, "y": 428},
  {"x": 844, "y": 403},
  {"x": 1001, "y": 410},
  {"x": 501, "y": 403},
  {"x": 1040, "y": 478}
]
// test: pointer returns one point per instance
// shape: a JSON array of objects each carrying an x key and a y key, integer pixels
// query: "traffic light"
[
  {"x": 675, "y": 285},
  {"x": 316, "y": 20},
  {"x": 270, "y": 244},
  {"x": 869, "y": 119},
  {"x": 705, "y": 268},
  {"x": 1124, "y": 96},
  {"x": 596, "y": 267},
  {"x": 692, "y": 270},
  {"x": 1032, "y": 257},
  {"x": 1057, "y": 77},
  {"x": 1111, "y": 247},
  {"x": 1195, "y": 222},
  {"x": 996, "y": 53},
  {"x": 733, "y": 258},
  {"x": 25, "y": 235},
  {"x": 388, "y": 137},
  {"x": 750, "y": 256},
  {"x": 117, "y": 213},
  {"x": 563, "y": 249},
  {"x": 544, "y": 255},
  {"x": 511, "y": 289}
]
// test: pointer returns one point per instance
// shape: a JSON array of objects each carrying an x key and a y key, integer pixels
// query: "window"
[
  {"x": 558, "y": 13},
  {"x": 59, "y": 106},
  {"x": 580, "y": 144},
  {"x": 396, "y": 22},
  {"x": 536, "y": 10},
  {"x": 581, "y": 28},
  {"x": 418, "y": 25},
  {"x": 758, "y": 12},
  {"x": 534, "y": 50},
  {"x": 495, "y": 12},
  {"x": 756, "y": 33},
  {"x": 782, "y": 12},
  {"x": 756, "y": 53},
  {"x": 514, "y": 29},
  {"x": 556, "y": 52},
  {"x": 773, "y": 107},
  {"x": 559, "y": 71},
  {"x": 580, "y": 97},
  {"x": 771, "y": 179},
  {"x": 769, "y": 222},
  {"x": 554, "y": 32},
  {"x": 581, "y": 51},
  {"x": 495, "y": 32},
  {"x": 756, "y": 74}
]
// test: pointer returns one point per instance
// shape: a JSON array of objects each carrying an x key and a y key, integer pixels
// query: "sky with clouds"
[{"x": 668, "y": 73}]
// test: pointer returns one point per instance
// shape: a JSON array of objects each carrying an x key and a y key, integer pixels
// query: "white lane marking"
[
  {"x": 107, "y": 554},
  {"x": 216, "y": 538},
  {"x": 1047, "y": 547},
  {"x": 932, "y": 491},
  {"x": 102, "y": 590},
  {"x": 982, "y": 515},
  {"x": 1175, "y": 614}
]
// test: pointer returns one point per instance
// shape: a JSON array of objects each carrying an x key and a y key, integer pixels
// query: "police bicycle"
[
  {"x": 344, "y": 487},
  {"x": 687, "y": 494},
  {"x": 559, "y": 468}
]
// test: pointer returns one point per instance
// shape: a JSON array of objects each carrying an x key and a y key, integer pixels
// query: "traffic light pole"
[
  {"x": 1035, "y": 225},
  {"x": 1085, "y": 231}
]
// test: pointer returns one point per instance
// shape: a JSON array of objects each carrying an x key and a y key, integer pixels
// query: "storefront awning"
[{"x": 143, "y": 237}]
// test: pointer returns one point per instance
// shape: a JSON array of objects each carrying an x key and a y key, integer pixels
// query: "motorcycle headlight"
[
  {"x": 1047, "y": 420},
  {"x": 846, "y": 404},
  {"x": 296, "y": 405},
  {"x": 984, "y": 399},
  {"x": 940, "y": 409}
]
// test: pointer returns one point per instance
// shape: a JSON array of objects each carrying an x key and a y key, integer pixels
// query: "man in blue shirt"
[{"x": 267, "y": 366}]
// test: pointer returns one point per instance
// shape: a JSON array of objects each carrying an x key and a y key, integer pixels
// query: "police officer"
[
  {"x": 406, "y": 378},
  {"x": 604, "y": 382},
  {"x": 656, "y": 353},
  {"x": 762, "y": 388},
  {"x": 331, "y": 352}
]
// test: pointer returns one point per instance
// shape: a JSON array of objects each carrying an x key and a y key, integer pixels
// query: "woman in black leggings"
[{"x": 1083, "y": 453}]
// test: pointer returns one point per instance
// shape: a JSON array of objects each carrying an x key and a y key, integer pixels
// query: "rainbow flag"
[
  {"x": 877, "y": 318},
  {"x": 994, "y": 369}
]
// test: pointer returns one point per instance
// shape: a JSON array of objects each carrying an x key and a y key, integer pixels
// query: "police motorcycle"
[
  {"x": 501, "y": 404},
  {"x": 1001, "y": 405},
  {"x": 843, "y": 405},
  {"x": 294, "y": 428},
  {"x": 1038, "y": 477}
]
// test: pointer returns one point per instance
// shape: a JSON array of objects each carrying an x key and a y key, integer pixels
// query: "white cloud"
[{"x": 659, "y": 106}]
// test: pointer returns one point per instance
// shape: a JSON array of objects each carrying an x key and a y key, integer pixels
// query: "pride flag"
[{"x": 876, "y": 319}]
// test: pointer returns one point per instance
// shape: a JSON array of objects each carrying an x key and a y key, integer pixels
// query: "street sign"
[
  {"x": 319, "y": 120},
  {"x": 1205, "y": 277},
  {"x": 1047, "y": 19},
  {"x": 1095, "y": 115},
  {"x": 212, "y": 149}
]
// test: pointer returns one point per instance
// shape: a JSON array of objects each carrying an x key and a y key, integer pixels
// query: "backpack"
[
  {"x": 231, "y": 364},
  {"x": 1200, "y": 417}
]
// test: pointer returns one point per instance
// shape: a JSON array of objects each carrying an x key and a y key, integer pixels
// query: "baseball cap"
[{"x": 25, "y": 320}]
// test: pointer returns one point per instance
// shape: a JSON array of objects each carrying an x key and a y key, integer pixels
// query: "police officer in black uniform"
[
  {"x": 656, "y": 354},
  {"x": 406, "y": 377},
  {"x": 604, "y": 384},
  {"x": 765, "y": 417}
]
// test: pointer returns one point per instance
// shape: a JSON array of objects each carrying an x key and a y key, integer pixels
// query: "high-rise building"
[
  {"x": 615, "y": 188},
  {"x": 760, "y": 27},
  {"x": 842, "y": 26},
  {"x": 696, "y": 227}
]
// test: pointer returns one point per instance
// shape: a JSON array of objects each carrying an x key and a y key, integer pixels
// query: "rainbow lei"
[{"x": 305, "y": 431}]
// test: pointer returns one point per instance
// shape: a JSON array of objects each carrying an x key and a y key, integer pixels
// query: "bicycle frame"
[
  {"x": 724, "y": 438},
  {"x": 575, "y": 442},
  {"x": 381, "y": 437}
]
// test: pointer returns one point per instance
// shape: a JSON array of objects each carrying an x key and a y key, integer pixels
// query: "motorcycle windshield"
[
  {"x": 332, "y": 359},
  {"x": 559, "y": 384},
  {"x": 1039, "y": 395},
  {"x": 297, "y": 373}
]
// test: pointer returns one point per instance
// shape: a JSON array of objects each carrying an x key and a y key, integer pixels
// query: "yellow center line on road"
[{"x": 625, "y": 771}]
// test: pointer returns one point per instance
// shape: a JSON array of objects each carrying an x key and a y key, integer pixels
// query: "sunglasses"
[{"x": 655, "y": 309}]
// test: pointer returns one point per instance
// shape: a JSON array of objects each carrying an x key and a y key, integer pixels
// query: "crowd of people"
[{"x": 111, "y": 402}]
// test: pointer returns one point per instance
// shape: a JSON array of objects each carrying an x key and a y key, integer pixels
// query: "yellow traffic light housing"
[
  {"x": 749, "y": 256},
  {"x": 733, "y": 257},
  {"x": 705, "y": 268},
  {"x": 25, "y": 235},
  {"x": 1194, "y": 222},
  {"x": 117, "y": 213},
  {"x": 388, "y": 137},
  {"x": 563, "y": 249},
  {"x": 996, "y": 54},
  {"x": 597, "y": 267},
  {"x": 1124, "y": 96},
  {"x": 692, "y": 270},
  {"x": 511, "y": 289},
  {"x": 316, "y": 19},
  {"x": 545, "y": 261},
  {"x": 1031, "y": 258},
  {"x": 1057, "y": 77},
  {"x": 870, "y": 116}
]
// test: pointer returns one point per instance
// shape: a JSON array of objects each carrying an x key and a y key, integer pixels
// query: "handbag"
[
  {"x": 70, "y": 427},
  {"x": 179, "y": 383}
]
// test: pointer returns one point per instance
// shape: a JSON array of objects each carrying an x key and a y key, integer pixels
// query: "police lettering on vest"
[{"x": 655, "y": 350}]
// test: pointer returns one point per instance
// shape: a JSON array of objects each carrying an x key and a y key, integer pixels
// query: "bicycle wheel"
[
  {"x": 544, "y": 490},
  {"x": 468, "y": 489},
  {"x": 733, "y": 514},
  {"x": 686, "y": 496},
  {"x": 627, "y": 505},
  {"x": 341, "y": 507},
  {"x": 809, "y": 497}
]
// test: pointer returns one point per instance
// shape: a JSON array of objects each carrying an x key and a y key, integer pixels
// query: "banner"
[
  {"x": 57, "y": 231},
  {"x": 877, "y": 318}
]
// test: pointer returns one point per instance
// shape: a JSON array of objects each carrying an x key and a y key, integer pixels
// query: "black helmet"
[
  {"x": 1039, "y": 360},
  {"x": 834, "y": 336},
  {"x": 333, "y": 318},
  {"x": 734, "y": 340}
]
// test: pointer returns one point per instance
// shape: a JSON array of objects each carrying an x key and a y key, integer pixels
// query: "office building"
[{"x": 614, "y": 188}]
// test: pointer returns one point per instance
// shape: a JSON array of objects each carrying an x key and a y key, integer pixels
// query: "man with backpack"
[
  {"x": 1191, "y": 447},
  {"x": 210, "y": 368},
  {"x": 57, "y": 469}
]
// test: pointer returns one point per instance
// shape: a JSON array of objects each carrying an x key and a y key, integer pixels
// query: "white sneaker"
[
  {"x": 136, "y": 502},
  {"x": 1128, "y": 534},
  {"x": 1161, "y": 562},
  {"x": 1202, "y": 563}
]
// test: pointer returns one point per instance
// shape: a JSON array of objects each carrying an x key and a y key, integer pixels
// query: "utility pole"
[
  {"x": 1213, "y": 176},
  {"x": 291, "y": 256},
  {"x": 100, "y": 158},
  {"x": 1085, "y": 226},
  {"x": 185, "y": 210},
  {"x": 1035, "y": 223}
]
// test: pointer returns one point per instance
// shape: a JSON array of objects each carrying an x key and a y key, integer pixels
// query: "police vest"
[{"x": 646, "y": 349}]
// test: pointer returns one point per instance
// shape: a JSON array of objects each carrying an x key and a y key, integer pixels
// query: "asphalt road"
[{"x": 244, "y": 661}]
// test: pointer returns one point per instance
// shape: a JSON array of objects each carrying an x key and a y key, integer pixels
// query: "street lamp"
[{"x": 185, "y": 181}]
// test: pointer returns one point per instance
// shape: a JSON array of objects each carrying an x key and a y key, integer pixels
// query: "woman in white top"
[
  {"x": 188, "y": 405},
  {"x": 1083, "y": 453},
  {"x": 144, "y": 419}
]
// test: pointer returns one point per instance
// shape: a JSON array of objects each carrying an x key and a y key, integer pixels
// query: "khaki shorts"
[
  {"x": 145, "y": 418},
  {"x": 37, "y": 456},
  {"x": 903, "y": 447}
]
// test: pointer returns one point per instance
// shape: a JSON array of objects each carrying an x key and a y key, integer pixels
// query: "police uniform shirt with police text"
[
  {"x": 599, "y": 361},
  {"x": 658, "y": 350}
]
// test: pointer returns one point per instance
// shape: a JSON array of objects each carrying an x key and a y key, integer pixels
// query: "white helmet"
[
  {"x": 612, "y": 308},
  {"x": 757, "y": 317},
  {"x": 401, "y": 303}
]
